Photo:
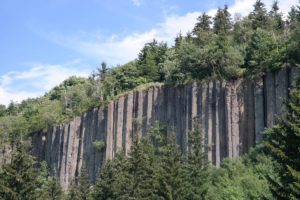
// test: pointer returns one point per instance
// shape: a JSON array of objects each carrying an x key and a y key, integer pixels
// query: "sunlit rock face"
[{"x": 232, "y": 115}]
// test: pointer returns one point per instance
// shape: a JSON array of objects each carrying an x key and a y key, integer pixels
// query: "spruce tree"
[
  {"x": 203, "y": 23},
  {"x": 114, "y": 181},
  {"x": 144, "y": 169},
  {"x": 222, "y": 21},
  {"x": 51, "y": 190},
  {"x": 259, "y": 15},
  {"x": 293, "y": 47},
  {"x": 81, "y": 187},
  {"x": 19, "y": 178},
  {"x": 277, "y": 22},
  {"x": 171, "y": 168},
  {"x": 196, "y": 169},
  {"x": 282, "y": 142},
  {"x": 49, "y": 187}
]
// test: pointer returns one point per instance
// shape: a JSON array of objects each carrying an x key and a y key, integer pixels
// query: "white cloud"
[
  {"x": 244, "y": 7},
  {"x": 137, "y": 2},
  {"x": 19, "y": 85},
  {"x": 118, "y": 50}
]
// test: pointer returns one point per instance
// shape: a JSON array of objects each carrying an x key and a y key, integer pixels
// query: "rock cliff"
[{"x": 232, "y": 115}]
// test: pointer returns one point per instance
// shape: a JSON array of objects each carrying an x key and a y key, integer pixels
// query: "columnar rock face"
[{"x": 232, "y": 115}]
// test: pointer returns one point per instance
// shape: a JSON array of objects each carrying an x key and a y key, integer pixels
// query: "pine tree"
[
  {"x": 293, "y": 47},
  {"x": 196, "y": 169},
  {"x": 144, "y": 171},
  {"x": 282, "y": 142},
  {"x": 203, "y": 23},
  {"x": 81, "y": 187},
  {"x": 171, "y": 167},
  {"x": 259, "y": 15},
  {"x": 260, "y": 52},
  {"x": 19, "y": 178},
  {"x": 277, "y": 22},
  {"x": 114, "y": 181},
  {"x": 51, "y": 190},
  {"x": 222, "y": 21},
  {"x": 149, "y": 60},
  {"x": 292, "y": 18}
]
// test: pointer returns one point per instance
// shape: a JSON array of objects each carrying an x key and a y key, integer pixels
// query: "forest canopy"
[{"x": 219, "y": 47}]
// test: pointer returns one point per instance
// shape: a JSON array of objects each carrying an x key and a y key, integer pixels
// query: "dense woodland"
[{"x": 219, "y": 47}]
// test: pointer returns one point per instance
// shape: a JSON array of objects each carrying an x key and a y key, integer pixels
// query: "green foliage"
[
  {"x": 222, "y": 21},
  {"x": 22, "y": 180},
  {"x": 99, "y": 145},
  {"x": 81, "y": 188},
  {"x": 263, "y": 52},
  {"x": 156, "y": 168},
  {"x": 196, "y": 168},
  {"x": 114, "y": 181},
  {"x": 149, "y": 60},
  {"x": 51, "y": 190},
  {"x": 254, "y": 44},
  {"x": 283, "y": 144},
  {"x": 203, "y": 24},
  {"x": 236, "y": 180},
  {"x": 259, "y": 15}
]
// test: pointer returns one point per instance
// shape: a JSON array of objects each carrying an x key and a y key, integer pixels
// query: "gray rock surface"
[{"x": 232, "y": 115}]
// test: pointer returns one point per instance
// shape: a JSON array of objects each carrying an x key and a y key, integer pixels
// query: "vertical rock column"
[
  {"x": 109, "y": 131},
  {"x": 119, "y": 124},
  {"x": 216, "y": 121},
  {"x": 259, "y": 108},
  {"x": 128, "y": 122},
  {"x": 270, "y": 99},
  {"x": 228, "y": 113},
  {"x": 235, "y": 119},
  {"x": 281, "y": 92}
]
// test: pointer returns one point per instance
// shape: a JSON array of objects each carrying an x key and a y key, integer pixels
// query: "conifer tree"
[
  {"x": 171, "y": 168},
  {"x": 293, "y": 47},
  {"x": 222, "y": 21},
  {"x": 51, "y": 190},
  {"x": 276, "y": 18},
  {"x": 114, "y": 181},
  {"x": 282, "y": 142},
  {"x": 81, "y": 187},
  {"x": 144, "y": 170},
  {"x": 203, "y": 23},
  {"x": 259, "y": 15},
  {"x": 196, "y": 169},
  {"x": 49, "y": 187},
  {"x": 19, "y": 178}
]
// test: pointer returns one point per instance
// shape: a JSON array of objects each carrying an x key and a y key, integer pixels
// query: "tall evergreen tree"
[
  {"x": 114, "y": 181},
  {"x": 196, "y": 169},
  {"x": 203, "y": 23},
  {"x": 261, "y": 52},
  {"x": 81, "y": 187},
  {"x": 149, "y": 60},
  {"x": 277, "y": 22},
  {"x": 222, "y": 21},
  {"x": 51, "y": 190},
  {"x": 259, "y": 15},
  {"x": 171, "y": 163},
  {"x": 283, "y": 144},
  {"x": 293, "y": 47},
  {"x": 19, "y": 178},
  {"x": 144, "y": 171}
]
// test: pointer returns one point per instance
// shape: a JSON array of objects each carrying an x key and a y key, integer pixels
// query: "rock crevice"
[{"x": 232, "y": 115}]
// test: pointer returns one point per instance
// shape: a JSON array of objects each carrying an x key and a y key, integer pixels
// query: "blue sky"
[{"x": 44, "y": 42}]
